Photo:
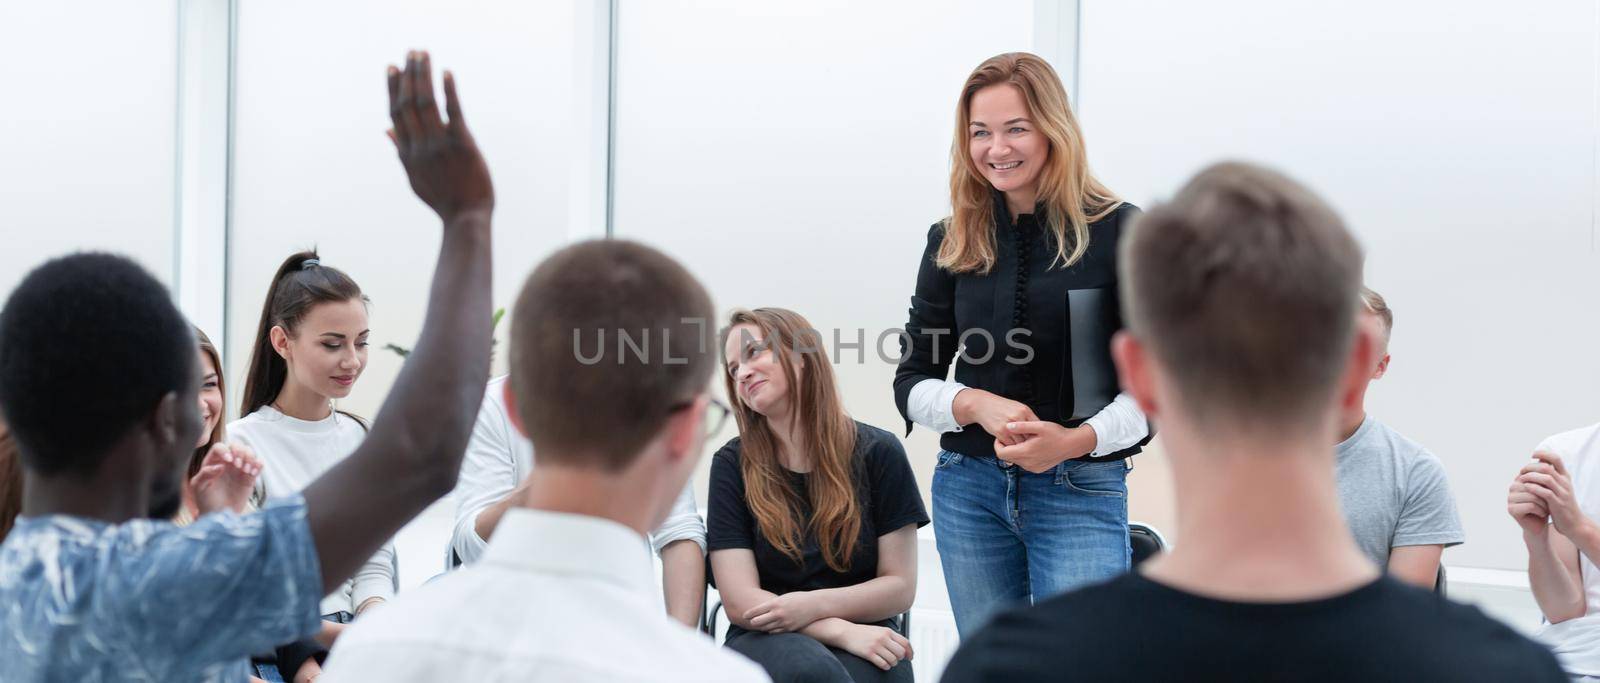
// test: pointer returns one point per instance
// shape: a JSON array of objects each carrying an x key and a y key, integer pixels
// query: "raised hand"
[
  {"x": 226, "y": 478},
  {"x": 440, "y": 157}
]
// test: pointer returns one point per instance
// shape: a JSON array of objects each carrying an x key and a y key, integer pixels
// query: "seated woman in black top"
[{"x": 812, "y": 517}]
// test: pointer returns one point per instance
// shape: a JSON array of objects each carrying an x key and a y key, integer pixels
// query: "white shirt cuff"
[
  {"x": 682, "y": 524},
  {"x": 1118, "y": 426},
  {"x": 932, "y": 404}
]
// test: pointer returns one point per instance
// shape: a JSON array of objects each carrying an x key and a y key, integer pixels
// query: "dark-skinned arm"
[{"x": 413, "y": 454}]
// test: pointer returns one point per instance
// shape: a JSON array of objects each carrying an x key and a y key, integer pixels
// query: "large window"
[{"x": 87, "y": 160}]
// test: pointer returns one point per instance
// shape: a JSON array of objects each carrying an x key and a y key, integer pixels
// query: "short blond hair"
[{"x": 1378, "y": 306}]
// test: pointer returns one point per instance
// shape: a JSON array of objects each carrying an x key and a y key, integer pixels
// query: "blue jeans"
[
  {"x": 1007, "y": 536},
  {"x": 267, "y": 671}
]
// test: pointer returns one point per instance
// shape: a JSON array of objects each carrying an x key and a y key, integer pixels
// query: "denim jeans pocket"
[
  {"x": 1106, "y": 479},
  {"x": 948, "y": 458}
]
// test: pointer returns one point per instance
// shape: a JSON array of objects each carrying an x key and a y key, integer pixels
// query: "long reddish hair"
[{"x": 830, "y": 436}]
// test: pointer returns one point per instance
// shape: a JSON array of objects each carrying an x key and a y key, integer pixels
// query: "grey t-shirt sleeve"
[{"x": 1428, "y": 512}]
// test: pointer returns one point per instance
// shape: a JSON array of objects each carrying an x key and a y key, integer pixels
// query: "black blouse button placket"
[{"x": 1019, "y": 311}]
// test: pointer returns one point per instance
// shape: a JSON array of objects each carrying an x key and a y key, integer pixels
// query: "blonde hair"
[
  {"x": 1072, "y": 197},
  {"x": 1378, "y": 306},
  {"x": 830, "y": 438}
]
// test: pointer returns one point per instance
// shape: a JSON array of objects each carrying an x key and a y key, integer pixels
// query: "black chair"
[
  {"x": 1438, "y": 582},
  {"x": 708, "y": 615},
  {"x": 708, "y": 621},
  {"x": 1145, "y": 541}
]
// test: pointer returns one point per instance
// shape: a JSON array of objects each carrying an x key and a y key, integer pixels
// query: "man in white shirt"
[
  {"x": 497, "y": 462},
  {"x": 1556, "y": 500},
  {"x": 564, "y": 590}
]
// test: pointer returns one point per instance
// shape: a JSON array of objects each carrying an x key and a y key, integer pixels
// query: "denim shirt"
[{"x": 148, "y": 600}]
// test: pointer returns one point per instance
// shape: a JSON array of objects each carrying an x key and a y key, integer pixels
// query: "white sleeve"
[
  {"x": 682, "y": 524},
  {"x": 376, "y": 578},
  {"x": 1119, "y": 425},
  {"x": 488, "y": 475},
  {"x": 932, "y": 404}
]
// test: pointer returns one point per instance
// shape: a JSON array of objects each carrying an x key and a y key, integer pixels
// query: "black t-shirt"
[
  {"x": 1133, "y": 629},
  {"x": 889, "y": 500}
]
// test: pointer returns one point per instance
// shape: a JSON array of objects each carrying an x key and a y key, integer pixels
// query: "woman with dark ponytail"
[
  {"x": 310, "y": 348},
  {"x": 300, "y": 284}
]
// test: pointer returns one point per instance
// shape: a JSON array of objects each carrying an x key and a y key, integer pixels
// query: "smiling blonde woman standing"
[{"x": 1030, "y": 493}]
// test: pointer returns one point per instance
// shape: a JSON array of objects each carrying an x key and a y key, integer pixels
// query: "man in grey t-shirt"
[{"x": 1393, "y": 491}]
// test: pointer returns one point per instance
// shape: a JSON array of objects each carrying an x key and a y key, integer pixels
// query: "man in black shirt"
[{"x": 1242, "y": 344}]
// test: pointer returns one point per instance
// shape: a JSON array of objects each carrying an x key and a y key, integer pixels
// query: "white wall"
[
  {"x": 313, "y": 167},
  {"x": 87, "y": 153},
  {"x": 1460, "y": 147},
  {"x": 794, "y": 154}
]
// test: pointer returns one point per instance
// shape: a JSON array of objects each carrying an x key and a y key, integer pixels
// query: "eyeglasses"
[{"x": 717, "y": 414}]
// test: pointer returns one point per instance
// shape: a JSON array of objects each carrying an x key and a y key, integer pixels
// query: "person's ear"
[
  {"x": 1134, "y": 371},
  {"x": 1383, "y": 367},
  {"x": 1358, "y": 371},
  {"x": 280, "y": 341},
  {"x": 683, "y": 437},
  {"x": 511, "y": 407},
  {"x": 166, "y": 420}
]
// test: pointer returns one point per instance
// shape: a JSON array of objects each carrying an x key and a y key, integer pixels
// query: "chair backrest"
[
  {"x": 1145, "y": 541},
  {"x": 1438, "y": 581}
]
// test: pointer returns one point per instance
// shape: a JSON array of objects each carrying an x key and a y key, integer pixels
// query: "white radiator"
[{"x": 933, "y": 642}]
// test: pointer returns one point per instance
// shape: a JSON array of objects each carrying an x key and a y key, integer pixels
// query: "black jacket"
[{"x": 1069, "y": 315}]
